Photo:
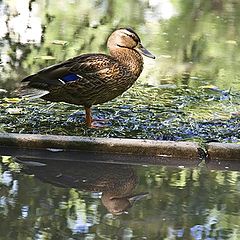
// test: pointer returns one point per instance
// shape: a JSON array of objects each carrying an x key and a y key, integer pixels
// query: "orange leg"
[
  {"x": 91, "y": 123},
  {"x": 88, "y": 116}
]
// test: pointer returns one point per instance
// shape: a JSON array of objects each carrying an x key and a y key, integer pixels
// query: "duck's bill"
[
  {"x": 137, "y": 197},
  {"x": 144, "y": 51}
]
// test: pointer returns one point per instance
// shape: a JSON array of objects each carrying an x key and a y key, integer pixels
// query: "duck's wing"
[{"x": 87, "y": 67}]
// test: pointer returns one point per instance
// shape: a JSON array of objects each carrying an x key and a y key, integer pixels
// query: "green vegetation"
[{"x": 184, "y": 115}]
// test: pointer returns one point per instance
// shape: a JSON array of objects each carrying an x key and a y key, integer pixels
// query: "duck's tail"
[{"x": 29, "y": 92}]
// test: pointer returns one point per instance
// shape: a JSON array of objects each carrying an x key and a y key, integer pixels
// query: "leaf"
[
  {"x": 211, "y": 87},
  {"x": 60, "y": 42},
  {"x": 5, "y": 105},
  {"x": 6, "y": 159},
  {"x": 165, "y": 56},
  {"x": 14, "y": 111},
  {"x": 233, "y": 42},
  {"x": 46, "y": 57},
  {"x": 12, "y": 100}
]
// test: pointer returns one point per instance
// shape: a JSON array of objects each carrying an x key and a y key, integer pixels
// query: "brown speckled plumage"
[{"x": 94, "y": 78}]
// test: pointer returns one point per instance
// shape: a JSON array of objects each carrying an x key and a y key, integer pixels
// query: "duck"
[
  {"x": 91, "y": 78},
  {"x": 116, "y": 182}
]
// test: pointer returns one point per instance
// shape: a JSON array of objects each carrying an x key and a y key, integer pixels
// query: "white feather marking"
[
  {"x": 32, "y": 93},
  {"x": 60, "y": 80}
]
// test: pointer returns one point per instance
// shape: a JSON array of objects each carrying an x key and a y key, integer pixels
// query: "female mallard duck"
[{"x": 92, "y": 78}]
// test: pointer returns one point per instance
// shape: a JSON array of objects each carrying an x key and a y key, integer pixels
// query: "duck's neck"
[{"x": 129, "y": 58}]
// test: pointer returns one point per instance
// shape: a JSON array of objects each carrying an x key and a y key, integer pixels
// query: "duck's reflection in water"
[{"x": 116, "y": 182}]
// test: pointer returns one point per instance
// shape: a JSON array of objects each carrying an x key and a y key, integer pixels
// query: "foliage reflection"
[{"x": 182, "y": 203}]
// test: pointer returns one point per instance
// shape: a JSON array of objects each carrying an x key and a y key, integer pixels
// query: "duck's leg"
[
  {"x": 88, "y": 116},
  {"x": 93, "y": 123}
]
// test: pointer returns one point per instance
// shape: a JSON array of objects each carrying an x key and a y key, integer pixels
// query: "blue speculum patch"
[{"x": 70, "y": 77}]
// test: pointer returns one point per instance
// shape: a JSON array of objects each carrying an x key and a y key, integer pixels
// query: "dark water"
[
  {"x": 87, "y": 200},
  {"x": 190, "y": 91}
]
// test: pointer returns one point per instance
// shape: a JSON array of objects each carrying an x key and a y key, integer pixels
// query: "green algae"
[{"x": 143, "y": 112}]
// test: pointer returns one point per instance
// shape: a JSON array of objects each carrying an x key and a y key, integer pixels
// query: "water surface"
[{"x": 69, "y": 200}]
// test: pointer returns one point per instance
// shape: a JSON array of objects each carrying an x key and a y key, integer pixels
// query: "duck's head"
[{"x": 127, "y": 38}]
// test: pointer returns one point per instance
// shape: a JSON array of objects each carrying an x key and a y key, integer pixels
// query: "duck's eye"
[
  {"x": 132, "y": 36},
  {"x": 129, "y": 35}
]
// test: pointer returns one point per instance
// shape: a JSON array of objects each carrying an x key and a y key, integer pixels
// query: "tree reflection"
[{"x": 182, "y": 203}]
